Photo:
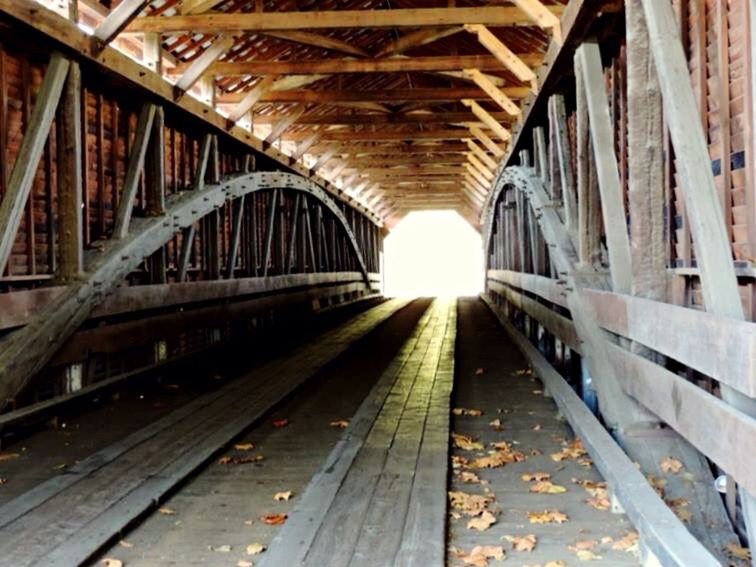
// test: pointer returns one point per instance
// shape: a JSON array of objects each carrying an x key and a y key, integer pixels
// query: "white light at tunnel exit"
[{"x": 433, "y": 253}]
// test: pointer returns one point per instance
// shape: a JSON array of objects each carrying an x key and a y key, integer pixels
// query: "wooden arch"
[{"x": 25, "y": 351}]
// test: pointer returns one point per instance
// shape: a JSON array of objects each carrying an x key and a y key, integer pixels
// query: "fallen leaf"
[
  {"x": 340, "y": 424},
  {"x": 628, "y": 543},
  {"x": 167, "y": 511},
  {"x": 496, "y": 424},
  {"x": 255, "y": 548},
  {"x": 738, "y": 552},
  {"x": 9, "y": 456},
  {"x": 466, "y": 443},
  {"x": 502, "y": 456},
  {"x": 479, "y": 371},
  {"x": 480, "y": 555},
  {"x": 470, "y": 504},
  {"x": 599, "y": 502},
  {"x": 279, "y": 496},
  {"x": 3, "y": 480},
  {"x": 538, "y": 392},
  {"x": 482, "y": 522},
  {"x": 467, "y": 411},
  {"x": 280, "y": 422},
  {"x": 110, "y": 562},
  {"x": 455, "y": 515},
  {"x": 535, "y": 476},
  {"x": 459, "y": 461},
  {"x": 587, "y": 555},
  {"x": 537, "y": 427},
  {"x": 523, "y": 372},
  {"x": 469, "y": 477},
  {"x": 273, "y": 519},
  {"x": 244, "y": 563},
  {"x": 546, "y": 487},
  {"x": 547, "y": 517},
  {"x": 240, "y": 460},
  {"x": 244, "y": 446},
  {"x": 556, "y": 564},
  {"x": 658, "y": 484},
  {"x": 671, "y": 465},
  {"x": 582, "y": 545},
  {"x": 522, "y": 543},
  {"x": 220, "y": 548},
  {"x": 124, "y": 543},
  {"x": 573, "y": 450},
  {"x": 680, "y": 507}
]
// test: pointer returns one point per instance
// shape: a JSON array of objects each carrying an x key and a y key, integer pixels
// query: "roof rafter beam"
[
  {"x": 543, "y": 16},
  {"x": 317, "y": 40},
  {"x": 488, "y": 120},
  {"x": 503, "y": 54},
  {"x": 276, "y": 21},
  {"x": 118, "y": 19},
  {"x": 201, "y": 64},
  {"x": 480, "y": 154},
  {"x": 497, "y": 95},
  {"x": 484, "y": 138}
]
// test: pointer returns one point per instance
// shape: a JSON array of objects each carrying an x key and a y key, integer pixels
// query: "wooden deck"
[
  {"x": 506, "y": 391},
  {"x": 66, "y": 519}
]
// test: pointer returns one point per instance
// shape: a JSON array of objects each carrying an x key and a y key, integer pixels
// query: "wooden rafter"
[
  {"x": 201, "y": 64},
  {"x": 275, "y": 21},
  {"x": 318, "y": 40},
  {"x": 512, "y": 61},
  {"x": 118, "y": 19},
  {"x": 497, "y": 95},
  {"x": 488, "y": 120}
]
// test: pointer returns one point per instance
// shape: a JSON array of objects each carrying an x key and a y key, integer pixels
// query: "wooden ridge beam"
[
  {"x": 384, "y": 65},
  {"x": 276, "y": 21},
  {"x": 453, "y": 94}
]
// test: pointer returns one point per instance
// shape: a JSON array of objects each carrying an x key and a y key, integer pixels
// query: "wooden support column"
[
  {"x": 29, "y": 154},
  {"x": 69, "y": 178},
  {"x": 562, "y": 149},
  {"x": 602, "y": 137},
  {"x": 134, "y": 171},
  {"x": 589, "y": 208}
]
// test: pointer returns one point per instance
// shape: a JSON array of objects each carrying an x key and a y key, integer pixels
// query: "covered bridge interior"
[{"x": 201, "y": 362}]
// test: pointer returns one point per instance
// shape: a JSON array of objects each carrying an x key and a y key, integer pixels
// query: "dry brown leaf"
[
  {"x": 482, "y": 522},
  {"x": 255, "y": 548},
  {"x": 658, "y": 484},
  {"x": 496, "y": 424},
  {"x": 547, "y": 517},
  {"x": 280, "y": 422},
  {"x": 126, "y": 544},
  {"x": 738, "y": 552},
  {"x": 466, "y": 443},
  {"x": 3, "y": 480},
  {"x": 244, "y": 563},
  {"x": 524, "y": 372},
  {"x": 282, "y": 496},
  {"x": 535, "y": 476},
  {"x": 573, "y": 450},
  {"x": 469, "y": 477},
  {"x": 496, "y": 459},
  {"x": 583, "y": 544},
  {"x": 340, "y": 424},
  {"x": 467, "y": 411},
  {"x": 459, "y": 461},
  {"x": 599, "y": 502},
  {"x": 479, "y": 371},
  {"x": 480, "y": 555},
  {"x": 680, "y": 507},
  {"x": 522, "y": 543},
  {"x": 244, "y": 446},
  {"x": 470, "y": 504},
  {"x": 587, "y": 555},
  {"x": 547, "y": 487},
  {"x": 273, "y": 519},
  {"x": 110, "y": 562},
  {"x": 9, "y": 456},
  {"x": 628, "y": 543},
  {"x": 537, "y": 427},
  {"x": 671, "y": 465},
  {"x": 166, "y": 511}
]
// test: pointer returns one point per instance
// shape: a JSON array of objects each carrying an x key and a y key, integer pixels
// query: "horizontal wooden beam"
[
  {"x": 387, "y": 65},
  {"x": 403, "y": 118},
  {"x": 257, "y": 21},
  {"x": 386, "y": 135},
  {"x": 378, "y": 95}
]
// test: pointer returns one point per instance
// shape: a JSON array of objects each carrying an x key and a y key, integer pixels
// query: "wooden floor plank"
[{"x": 75, "y": 518}]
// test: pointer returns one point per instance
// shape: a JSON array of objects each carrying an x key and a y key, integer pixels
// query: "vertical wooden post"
[{"x": 69, "y": 178}]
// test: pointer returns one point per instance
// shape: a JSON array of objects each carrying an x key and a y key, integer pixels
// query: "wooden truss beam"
[
  {"x": 490, "y": 145},
  {"x": 118, "y": 19},
  {"x": 201, "y": 64},
  {"x": 497, "y": 95},
  {"x": 488, "y": 120},
  {"x": 388, "y": 135},
  {"x": 341, "y": 118},
  {"x": 515, "y": 63},
  {"x": 386, "y": 65},
  {"x": 276, "y": 21},
  {"x": 317, "y": 40}
]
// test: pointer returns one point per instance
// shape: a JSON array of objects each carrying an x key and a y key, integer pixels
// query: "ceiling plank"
[
  {"x": 252, "y": 97},
  {"x": 496, "y": 94},
  {"x": 480, "y": 154},
  {"x": 490, "y": 145},
  {"x": 477, "y": 164},
  {"x": 275, "y": 21}
]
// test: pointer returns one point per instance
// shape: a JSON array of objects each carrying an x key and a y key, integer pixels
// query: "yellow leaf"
[
  {"x": 470, "y": 504},
  {"x": 587, "y": 555},
  {"x": 599, "y": 502},
  {"x": 469, "y": 477},
  {"x": 110, "y": 562},
  {"x": 480, "y": 555},
  {"x": 671, "y": 465},
  {"x": 274, "y": 519},
  {"x": 279, "y": 496},
  {"x": 467, "y": 411},
  {"x": 535, "y": 476},
  {"x": 466, "y": 443},
  {"x": 628, "y": 543},
  {"x": 738, "y": 552},
  {"x": 166, "y": 511},
  {"x": 547, "y": 517},
  {"x": 583, "y": 544},
  {"x": 124, "y": 543},
  {"x": 546, "y": 487},
  {"x": 496, "y": 424},
  {"x": 255, "y": 548},
  {"x": 244, "y": 446},
  {"x": 573, "y": 450},
  {"x": 340, "y": 424},
  {"x": 244, "y": 563},
  {"x": 482, "y": 522},
  {"x": 522, "y": 543}
]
